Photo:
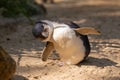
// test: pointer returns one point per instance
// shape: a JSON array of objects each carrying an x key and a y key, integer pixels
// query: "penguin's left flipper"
[
  {"x": 47, "y": 50},
  {"x": 87, "y": 31}
]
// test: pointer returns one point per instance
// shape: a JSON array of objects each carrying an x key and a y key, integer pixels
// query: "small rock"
[
  {"x": 36, "y": 77},
  {"x": 45, "y": 65},
  {"x": 45, "y": 74},
  {"x": 8, "y": 39}
]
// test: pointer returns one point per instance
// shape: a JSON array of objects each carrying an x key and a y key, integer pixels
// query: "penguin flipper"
[
  {"x": 87, "y": 31},
  {"x": 47, "y": 50}
]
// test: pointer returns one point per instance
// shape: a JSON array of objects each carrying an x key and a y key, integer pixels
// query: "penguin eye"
[{"x": 42, "y": 26}]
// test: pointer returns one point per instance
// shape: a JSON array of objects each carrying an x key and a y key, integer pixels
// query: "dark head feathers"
[{"x": 37, "y": 30}]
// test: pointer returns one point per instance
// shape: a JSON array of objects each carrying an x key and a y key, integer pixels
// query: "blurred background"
[{"x": 17, "y": 18}]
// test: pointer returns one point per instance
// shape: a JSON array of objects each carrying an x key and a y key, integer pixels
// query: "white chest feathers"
[{"x": 69, "y": 46}]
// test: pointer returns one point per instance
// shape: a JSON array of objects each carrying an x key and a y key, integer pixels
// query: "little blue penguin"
[{"x": 68, "y": 39}]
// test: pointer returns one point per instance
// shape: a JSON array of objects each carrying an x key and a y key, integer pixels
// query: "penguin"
[{"x": 68, "y": 39}]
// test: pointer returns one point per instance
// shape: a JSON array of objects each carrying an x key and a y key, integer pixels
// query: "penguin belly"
[{"x": 69, "y": 46}]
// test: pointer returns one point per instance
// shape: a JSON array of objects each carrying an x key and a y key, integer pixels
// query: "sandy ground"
[{"x": 102, "y": 64}]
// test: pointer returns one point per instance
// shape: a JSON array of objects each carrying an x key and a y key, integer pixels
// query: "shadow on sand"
[
  {"x": 19, "y": 77},
  {"x": 113, "y": 78},
  {"x": 103, "y": 62}
]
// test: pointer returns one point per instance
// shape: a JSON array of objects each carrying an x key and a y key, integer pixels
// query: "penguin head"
[{"x": 42, "y": 30}]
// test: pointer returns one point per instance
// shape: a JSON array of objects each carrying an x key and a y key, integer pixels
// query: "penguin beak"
[
  {"x": 87, "y": 31},
  {"x": 45, "y": 32}
]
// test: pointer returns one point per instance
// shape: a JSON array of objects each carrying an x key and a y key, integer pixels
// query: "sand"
[{"x": 102, "y": 64}]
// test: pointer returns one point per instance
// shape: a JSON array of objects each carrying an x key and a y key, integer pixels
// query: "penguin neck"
[
  {"x": 56, "y": 26},
  {"x": 52, "y": 27},
  {"x": 49, "y": 38}
]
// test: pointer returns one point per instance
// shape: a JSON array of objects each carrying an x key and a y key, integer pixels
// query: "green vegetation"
[{"x": 17, "y": 8}]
